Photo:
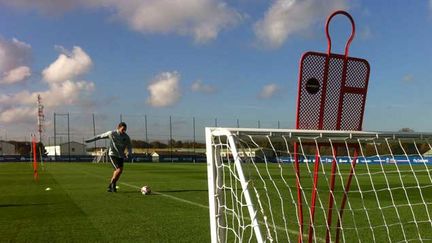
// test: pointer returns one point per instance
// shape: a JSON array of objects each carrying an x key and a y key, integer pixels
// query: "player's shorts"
[{"x": 116, "y": 162}]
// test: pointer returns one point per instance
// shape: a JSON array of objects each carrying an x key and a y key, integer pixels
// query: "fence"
[
  {"x": 62, "y": 128},
  {"x": 78, "y": 127}
]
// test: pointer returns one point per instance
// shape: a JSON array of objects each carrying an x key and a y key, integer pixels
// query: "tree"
[
  {"x": 157, "y": 144},
  {"x": 406, "y": 129},
  {"x": 140, "y": 144}
]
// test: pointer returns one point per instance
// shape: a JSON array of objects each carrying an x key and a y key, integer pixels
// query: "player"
[{"x": 119, "y": 142}]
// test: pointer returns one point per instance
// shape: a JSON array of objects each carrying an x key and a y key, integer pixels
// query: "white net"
[
  {"x": 319, "y": 186},
  {"x": 101, "y": 156}
]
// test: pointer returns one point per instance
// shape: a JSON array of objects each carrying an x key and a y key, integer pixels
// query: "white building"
[
  {"x": 7, "y": 148},
  {"x": 428, "y": 153},
  {"x": 75, "y": 148}
]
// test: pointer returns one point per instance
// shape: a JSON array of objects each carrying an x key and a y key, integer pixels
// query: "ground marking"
[{"x": 203, "y": 206}]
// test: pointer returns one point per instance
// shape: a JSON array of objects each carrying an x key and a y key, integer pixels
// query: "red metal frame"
[
  {"x": 347, "y": 188},
  {"x": 341, "y": 97},
  {"x": 314, "y": 193}
]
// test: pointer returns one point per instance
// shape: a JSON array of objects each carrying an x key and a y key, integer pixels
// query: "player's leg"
[
  {"x": 117, "y": 163},
  {"x": 116, "y": 176},
  {"x": 113, "y": 160}
]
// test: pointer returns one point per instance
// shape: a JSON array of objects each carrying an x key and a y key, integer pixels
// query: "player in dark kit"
[{"x": 119, "y": 142}]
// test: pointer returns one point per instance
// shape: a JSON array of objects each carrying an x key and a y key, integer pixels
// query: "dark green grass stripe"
[
  {"x": 128, "y": 216},
  {"x": 29, "y": 212}
]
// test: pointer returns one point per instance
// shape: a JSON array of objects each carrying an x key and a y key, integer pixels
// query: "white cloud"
[
  {"x": 164, "y": 90},
  {"x": 199, "y": 86},
  {"x": 68, "y": 66},
  {"x": 13, "y": 54},
  {"x": 15, "y": 75},
  {"x": 268, "y": 91},
  {"x": 19, "y": 115},
  {"x": 66, "y": 93},
  {"x": 62, "y": 89},
  {"x": 202, "y": 19},
  {"x": 286, "y": 17}
]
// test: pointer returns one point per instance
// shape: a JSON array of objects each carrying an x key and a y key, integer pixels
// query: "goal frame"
[{"x": 321, "y": 136}]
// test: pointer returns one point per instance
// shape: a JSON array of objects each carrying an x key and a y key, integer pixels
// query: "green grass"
[{"x": 78, "y": 208}]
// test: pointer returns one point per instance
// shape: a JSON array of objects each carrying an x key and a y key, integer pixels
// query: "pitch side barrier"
[
  {"x": 369, "y": 160},
  {"x": 14, "y": 158}
]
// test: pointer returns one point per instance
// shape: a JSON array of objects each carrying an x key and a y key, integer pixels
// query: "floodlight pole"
[
  {"x": 194, "y": 139},
  {"x": 146, "y": 134},
  {"x": 55, "y": 138},
  {"x": 68, "y": 134},
  {"x": 94, "y": 131},
  {"x": 171, "y": 141}
]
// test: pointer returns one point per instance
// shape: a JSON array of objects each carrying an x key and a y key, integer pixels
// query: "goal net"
[
  {"x": 278, "y": 185},
  {"x": 101, "y": 156}
]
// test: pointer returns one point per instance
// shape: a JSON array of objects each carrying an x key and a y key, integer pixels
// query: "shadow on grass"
[{"x": 24, "y": 205}]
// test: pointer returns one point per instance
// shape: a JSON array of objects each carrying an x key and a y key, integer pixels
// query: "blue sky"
[{"x": 205, "y": 58}]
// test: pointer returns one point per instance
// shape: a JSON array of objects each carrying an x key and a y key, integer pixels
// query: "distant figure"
[{"x": 119, "y": 141}]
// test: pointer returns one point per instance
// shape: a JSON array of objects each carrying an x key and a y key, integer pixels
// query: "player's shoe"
[
  {"x": 114, "y": 187},
  {"x": 110, "y": 188}
]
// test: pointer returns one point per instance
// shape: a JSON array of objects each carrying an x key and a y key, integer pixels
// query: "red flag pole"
[{"x": 35, "y": 169}]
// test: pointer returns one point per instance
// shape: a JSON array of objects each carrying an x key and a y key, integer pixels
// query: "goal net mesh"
[{"x": 318, "y": 186}]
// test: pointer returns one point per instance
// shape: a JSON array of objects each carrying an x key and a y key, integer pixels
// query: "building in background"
[
  {"x": 63, "y": 149},
  {"x": 7, "y": 148}
]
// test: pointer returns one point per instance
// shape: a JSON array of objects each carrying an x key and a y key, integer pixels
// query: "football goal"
[{"x": 281, "y": 185}]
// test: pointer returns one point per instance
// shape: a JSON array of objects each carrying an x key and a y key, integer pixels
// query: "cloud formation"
[
  {"x": 199, "y": 86},
  {"x": 68, "y": 66},
  {"x": 63, "y": 87},
  {"x": 287, "y": 17},
  {"x": 18, "y": 115},
  {"x": 268, "y": 91},
  {"x": 201, "y": 19},
  {"x": 164, "y": 90},
  {"x": 14, "y": 59},
  {"x": 15, "y": 75}
]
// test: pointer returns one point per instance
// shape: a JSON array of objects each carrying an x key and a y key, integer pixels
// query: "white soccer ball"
[{"x": 145, "y": 190}]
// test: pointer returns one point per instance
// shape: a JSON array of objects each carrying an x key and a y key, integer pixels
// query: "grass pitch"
[{"x": 78, "y": 208}]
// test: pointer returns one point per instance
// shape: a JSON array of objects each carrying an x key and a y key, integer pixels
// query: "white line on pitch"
[
  {"x": 206, "y": 207},
  {"x": 169, "y": 196}
]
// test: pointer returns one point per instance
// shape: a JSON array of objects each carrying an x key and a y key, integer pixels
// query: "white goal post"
[{"x": 282, "y": 185}]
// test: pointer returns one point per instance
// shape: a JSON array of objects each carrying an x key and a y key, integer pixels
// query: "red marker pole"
[{"x": 35, "y": 169}]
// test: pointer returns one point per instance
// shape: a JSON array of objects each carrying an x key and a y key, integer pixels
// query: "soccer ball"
[{"x": 145, "y": 190}]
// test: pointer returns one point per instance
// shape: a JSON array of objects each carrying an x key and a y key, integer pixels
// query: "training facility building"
[
  {"x": 428, "y": 153},
  {"x": 72, "y": 148},
  {"x": 7, "y": 148}
]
